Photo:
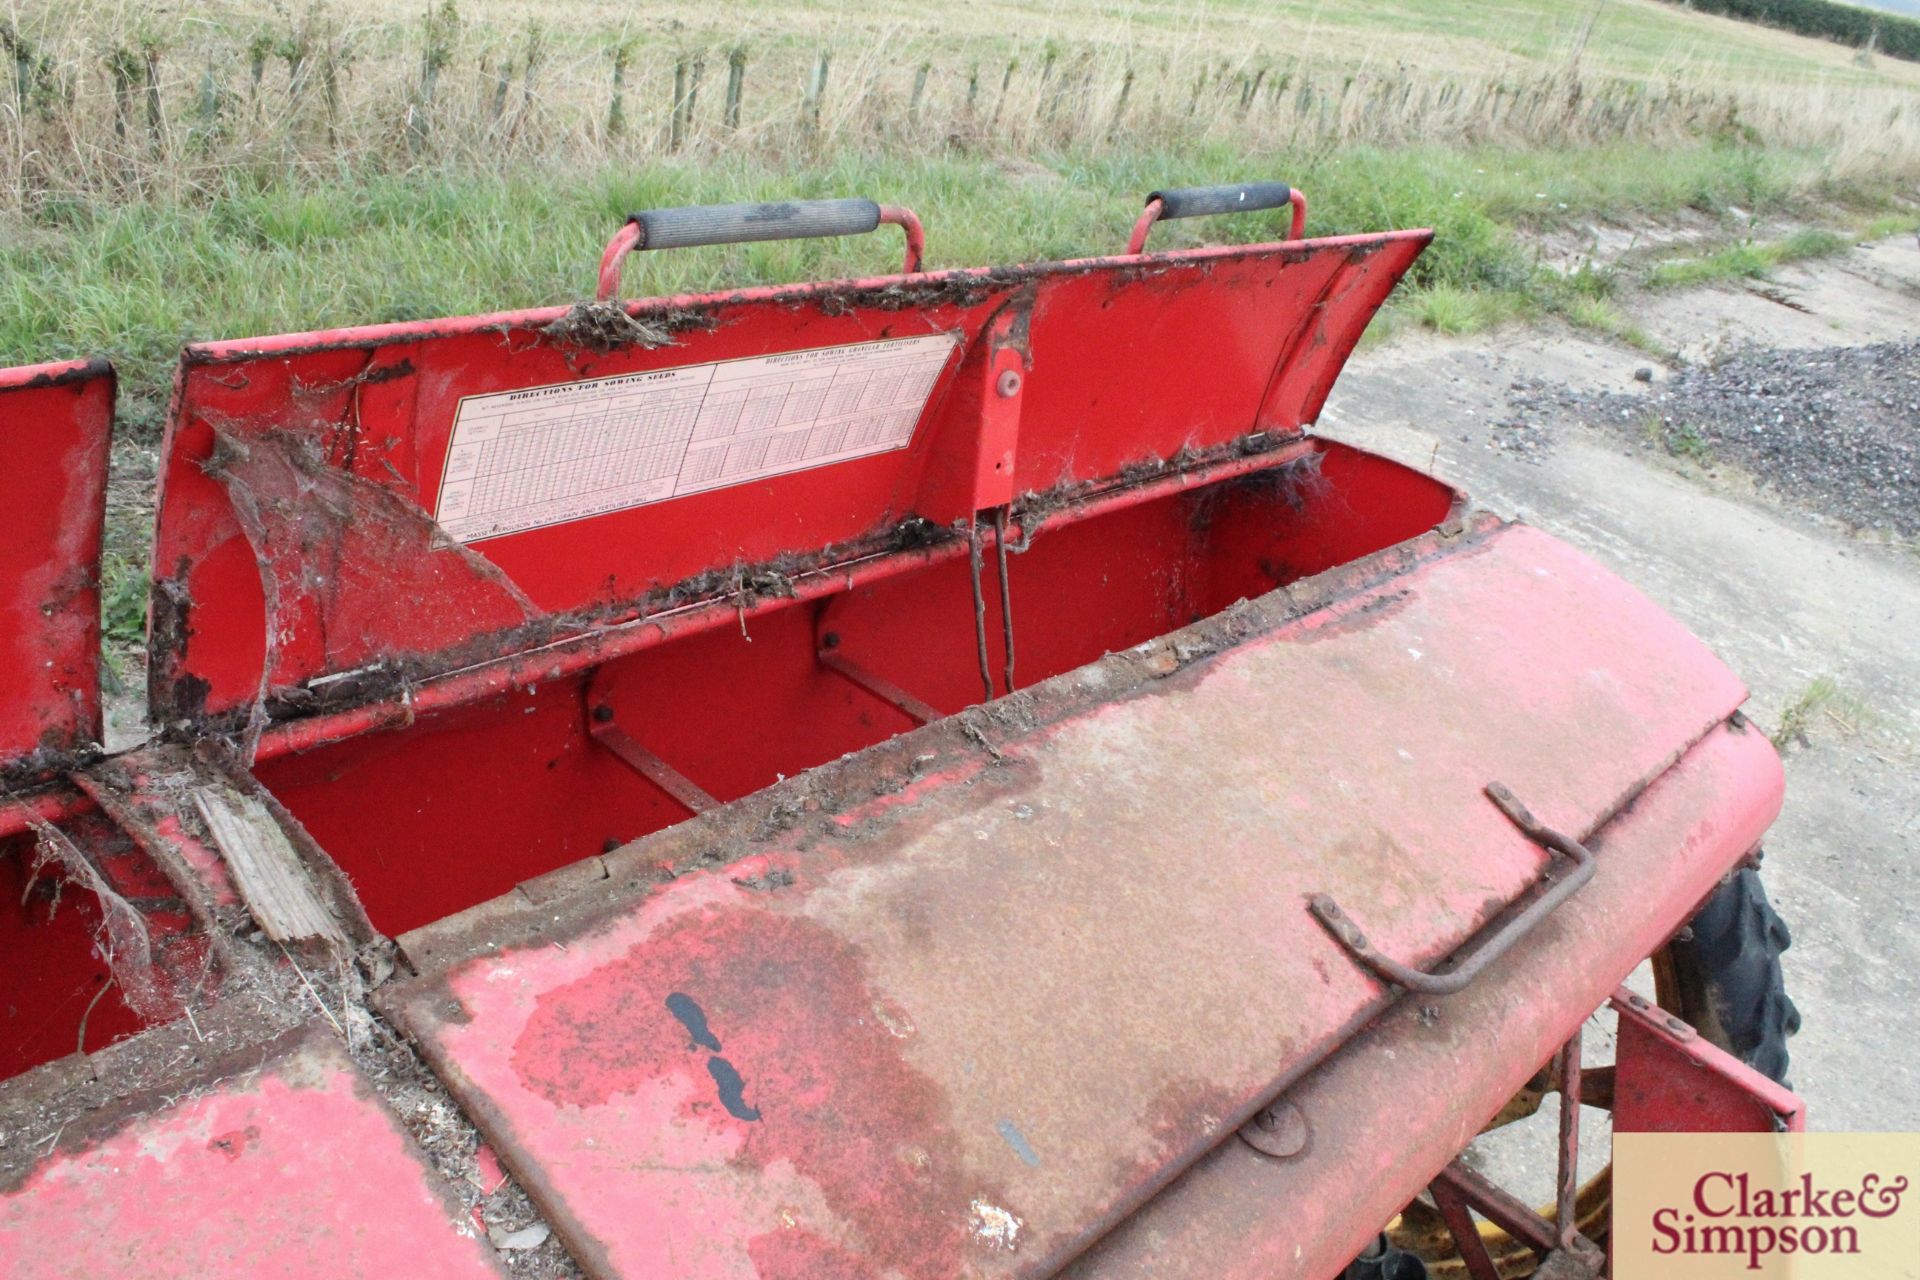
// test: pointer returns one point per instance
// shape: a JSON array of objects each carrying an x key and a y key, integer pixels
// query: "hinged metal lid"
[
  {"x": 420, "y": 496},
  {"x": 55, "y": 427}
]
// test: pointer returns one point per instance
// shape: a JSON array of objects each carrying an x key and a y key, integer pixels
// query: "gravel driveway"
[{"x": 1833, "y": 429}]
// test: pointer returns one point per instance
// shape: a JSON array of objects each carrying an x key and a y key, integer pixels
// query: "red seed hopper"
[{"x": 930, "y": 776}]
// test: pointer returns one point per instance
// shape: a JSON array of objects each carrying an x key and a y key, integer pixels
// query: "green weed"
[
  {"x": 1886, "y": 224},
  {"x": 1822, "y": 701},
  {"x": 1686, "y": 441},
  {"x": 1453, "y": 310},
  {"x": 1681, "y": 440},
  {"x": 1748, "y": 261},
  {"x": 1599, "y": 315}
]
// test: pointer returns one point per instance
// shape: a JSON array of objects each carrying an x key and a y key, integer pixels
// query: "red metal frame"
[
  {"x": 570, "y": 655},
  {"x": 1460, "y": 1191},
  {"x": 1664, "y": 1079},
  {"x": 1137, "y": 239},
  {"x": 1667, "y": 1079},
  {"x": 627, "y": 239},
  {"x": 684, "y": 684},
  {"x": 55, "y": 427},
  {"x": 944, "y": 902},
  {"x": 897, "y": 215}
]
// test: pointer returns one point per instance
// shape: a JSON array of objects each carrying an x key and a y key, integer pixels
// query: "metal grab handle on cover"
[
  {"x": 1197, "y": 202},
  {"x": 704, "y": 224},
  {"x": 1496, "y": 944}
]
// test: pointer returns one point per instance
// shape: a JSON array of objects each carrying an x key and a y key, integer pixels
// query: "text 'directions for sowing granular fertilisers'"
[{"x": 524, "y": 459}]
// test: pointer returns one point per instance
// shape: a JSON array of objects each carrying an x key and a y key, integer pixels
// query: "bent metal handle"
[
  {"x": 738, "y": 223},
  {"x": 1198, "y": 202},
  {"x": 1496, "y": 943}
]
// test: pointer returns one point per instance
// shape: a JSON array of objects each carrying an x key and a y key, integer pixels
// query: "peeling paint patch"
[
  {"x": 694, "y": 1019},
  {"x": 1018, "y": 1141},
  {"x": 793, "y": 1254},
  {"x": 812, "y": 1082},
  {"x": 994, "y": 1225},
  {"x": 732, "y": 1089}
]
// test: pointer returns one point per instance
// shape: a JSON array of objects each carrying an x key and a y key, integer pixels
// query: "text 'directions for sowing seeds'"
[{"x": 519, "y": 460}]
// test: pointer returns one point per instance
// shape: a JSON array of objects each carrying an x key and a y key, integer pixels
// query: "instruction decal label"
[{"x": 525, "y": 459}]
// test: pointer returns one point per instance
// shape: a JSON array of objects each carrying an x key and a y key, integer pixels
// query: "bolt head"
[
  {"x": 1008, "y": 384},
  {"x": 1281, "y": 1130}
]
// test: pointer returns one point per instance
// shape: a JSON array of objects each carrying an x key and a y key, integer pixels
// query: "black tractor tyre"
[{"x": 1726, "y": 975}]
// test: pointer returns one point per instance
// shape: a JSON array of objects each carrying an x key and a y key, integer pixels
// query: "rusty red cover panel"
[
  {"x": 292, "y": 1170},
  {"x": 1450, "y": 1063},
  {"x": 964, "y": 1027},
  {"x": 301, "y": 472},
  {"x": 55, "y": 423}
]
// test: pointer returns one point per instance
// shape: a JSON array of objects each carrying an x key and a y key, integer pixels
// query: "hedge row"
[{"x": 1849, "y": 24}]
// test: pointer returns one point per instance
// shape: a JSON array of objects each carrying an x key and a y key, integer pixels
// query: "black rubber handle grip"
[
  {"x": 736, "y": 223},
  {"x": 1195, "y": 202}
]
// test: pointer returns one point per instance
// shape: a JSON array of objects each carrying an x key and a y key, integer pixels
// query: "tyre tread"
[{"x": 1731, "y": 984}]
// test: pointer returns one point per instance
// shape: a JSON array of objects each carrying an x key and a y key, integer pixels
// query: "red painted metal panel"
[
  {"x": 55, "y": 978},
  {"x": 1668, "y": 1080},
  {"x": 994, "y": 1010},
  {"x": 399, "y": 811},
  {"x": 292, "y": 1170},
  {"x": 55, "y": 422},
  {"x": 1400, "y": 1101},
  {"x": 335, "y": 445}
]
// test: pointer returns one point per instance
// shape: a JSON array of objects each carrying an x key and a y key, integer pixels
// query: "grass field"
[
  {"x": 208, "y": 168},
  {"x": 100, "y": 89}
]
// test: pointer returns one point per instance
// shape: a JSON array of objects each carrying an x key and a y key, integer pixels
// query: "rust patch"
[
  {"x": 794, "y": 1254},
  {"x": 233, "y": 1144},
  {"x": 768, "y": 1022},
  {"x": 1175, "y": 1114},
  {"x": 59, "y": 750},
  {"x": 96, "y": 367},
  {"x": 1018, "y": 336},
  {"x": 1366, "y": 615},
  {"x": 1184, "y": 1119},
  {"x": 173, "y": 693}
]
